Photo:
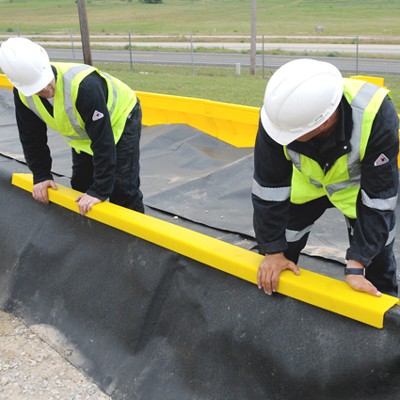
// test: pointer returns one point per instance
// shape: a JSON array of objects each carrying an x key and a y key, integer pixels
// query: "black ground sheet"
[
  {"x": 190, "y": 175},
  {"x": 146, "y": 323}
]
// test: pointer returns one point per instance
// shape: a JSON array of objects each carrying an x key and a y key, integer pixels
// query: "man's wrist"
[
  {"x": 354, "y": 271},
  {"x": 354, "y": 267}
]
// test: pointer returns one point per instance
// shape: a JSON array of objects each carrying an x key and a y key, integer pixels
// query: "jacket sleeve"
[
  {"x": 377, "y": 199},
  {"x": 270, "y": 193},
  {"x": 33, "y": 136},
  {"x": 92, "y": 106}
]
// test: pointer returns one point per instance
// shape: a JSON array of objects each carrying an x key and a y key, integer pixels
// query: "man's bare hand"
[
  {"x": 39, "y": 191},
  {"x": 359, "y": 282},
  {"x": 362, "y": 284},
  {"x": 270, "y": 270},
  {"x": 86, "y": 202}
]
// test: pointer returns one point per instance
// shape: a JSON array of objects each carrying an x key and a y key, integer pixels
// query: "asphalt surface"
[
  {"x": 354, "y": 65},
  {"x": 354, "y": 58}
]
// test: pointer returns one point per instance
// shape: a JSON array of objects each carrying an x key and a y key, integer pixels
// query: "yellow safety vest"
[
  {"x": 342, "y": 182},
  {"x": 66, "y": 119}
]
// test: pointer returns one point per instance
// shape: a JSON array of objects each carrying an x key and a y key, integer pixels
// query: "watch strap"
[{"x": 354, "y": 271}]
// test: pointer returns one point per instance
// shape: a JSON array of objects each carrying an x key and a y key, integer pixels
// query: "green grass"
[
  {"x": 208, "y": 17},
  {"x": 217, "y": 84}
]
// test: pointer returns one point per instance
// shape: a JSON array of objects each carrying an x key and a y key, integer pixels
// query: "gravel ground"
[{"x": 31, "y": 370}]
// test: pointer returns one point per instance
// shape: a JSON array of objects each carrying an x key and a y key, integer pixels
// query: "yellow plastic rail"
[
  {"x": 376, "y": 80},
  {"x": 5, "y": 83},
  {"x": 231, "y": 123},
  {"x": 315, "y": 289}
]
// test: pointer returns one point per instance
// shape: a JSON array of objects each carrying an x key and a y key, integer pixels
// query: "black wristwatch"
[{"x": 354, "y": 271}]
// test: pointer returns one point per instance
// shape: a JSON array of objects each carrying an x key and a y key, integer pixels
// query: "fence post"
[
  {"x": 238, "y": 69},
  {"x": 130, "y": 51},
  {"x": 191, "y": 53}
]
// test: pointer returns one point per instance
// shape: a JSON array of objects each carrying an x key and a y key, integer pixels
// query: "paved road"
[
  {"x": 352, "y": 63},
  {"x": 235, "y": 42},
  {"x": 376, "y": 49},
  {"x": 345, "y": 64}
]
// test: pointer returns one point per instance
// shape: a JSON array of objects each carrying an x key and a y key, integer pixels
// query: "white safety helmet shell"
[
  {"x": 26, "y": 64},
  {"x": 299, "y": 97}
]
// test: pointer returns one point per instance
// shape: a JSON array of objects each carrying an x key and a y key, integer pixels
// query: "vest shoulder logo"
[
  {"x": 382, "y": 159},
  {"x": 97, "y": 115}
]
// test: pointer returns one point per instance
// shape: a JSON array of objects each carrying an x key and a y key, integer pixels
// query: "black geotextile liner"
[
  {"x": 191, "y": 175},
  {"x": 146, "y": 323},
  {"x": 194, "y": 178}
]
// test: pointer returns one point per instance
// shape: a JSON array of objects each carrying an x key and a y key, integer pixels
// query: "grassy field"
[
  {"x": 206, "y": 17},
  {"x": 217, "y": 84}
]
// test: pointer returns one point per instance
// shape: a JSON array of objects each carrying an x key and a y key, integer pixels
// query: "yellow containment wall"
[
  {"x": 231, "y": 123},
  {"x": 234, "y": 124},
  {"x": 5, "y": 83},
  {"x": 376, "y": 80},
  {"x": 309, "y": 287}
]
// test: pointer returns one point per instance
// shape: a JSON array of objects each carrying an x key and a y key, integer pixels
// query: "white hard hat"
[
  {"x": 26, "y": 65},
  {"x": 299, "y": 97}
]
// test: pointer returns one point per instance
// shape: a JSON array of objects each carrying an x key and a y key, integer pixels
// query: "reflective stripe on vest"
[
  {"x": 342, "y": 182},
  {"x": 68, "y": 76},
  {"x": 120, "y": 102}
]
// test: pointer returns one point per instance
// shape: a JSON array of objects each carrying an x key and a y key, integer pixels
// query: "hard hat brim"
[
  {"x": 45, "y": 79},
  {"x": 278, "y": 135}
]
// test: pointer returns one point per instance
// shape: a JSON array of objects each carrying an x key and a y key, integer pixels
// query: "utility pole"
[
  {"x": 253, "y": 40},
  {"x": 83, "y": 22}
]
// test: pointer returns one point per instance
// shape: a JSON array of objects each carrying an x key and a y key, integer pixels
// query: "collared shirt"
[{"x": 273, "y": 170}]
